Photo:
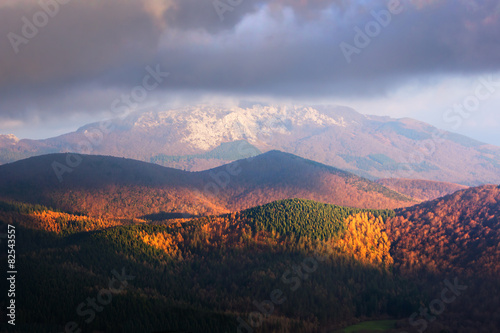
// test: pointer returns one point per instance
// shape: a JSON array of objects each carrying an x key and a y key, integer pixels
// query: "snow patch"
[{"x": 207, "y": 126}]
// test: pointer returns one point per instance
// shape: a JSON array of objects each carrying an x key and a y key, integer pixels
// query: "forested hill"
[
  {"x": 203, "y": 275},
  {"x": 458, "y": 233},
  {"x": 420, "y": 189},
  {"x": 103, "y": 186},
  {"x": 334, "y": 265}
]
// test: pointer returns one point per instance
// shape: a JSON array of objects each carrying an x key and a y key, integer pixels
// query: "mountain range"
[
  {"x": 370, "y": 146},
  {"x": 260, "y": 219}
]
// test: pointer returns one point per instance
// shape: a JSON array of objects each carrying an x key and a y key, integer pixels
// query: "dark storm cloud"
[
  {"x": 83, "y": 41},
  {"x": 195, "y": 14},
  {"x": 275, "y": 47},
  {"x": 300, "y": 56}
]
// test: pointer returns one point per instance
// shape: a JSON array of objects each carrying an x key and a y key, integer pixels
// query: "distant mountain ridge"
[
  {"x": 224, "y": 153},
  {"x": 371, "y": 146},
  {"x": 110, "y": 186},
  {"x": 419, "y": 189}
]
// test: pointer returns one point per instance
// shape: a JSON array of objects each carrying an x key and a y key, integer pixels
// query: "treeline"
[
  {"x": 24, "y": 208},
  {"x": 44, "y": 218}
]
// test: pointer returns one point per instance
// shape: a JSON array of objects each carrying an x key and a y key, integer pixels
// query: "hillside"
[
  {"x": 423, "y": 190},
  {"x": 206, "y": 273},
  {"x": 458, "y": 233},
  {"x": 276, "y": 175},
  {"x": 116, "y": 187},
  {"x": 297, "y": 265},
  {"x": 454, "y": 238},
  {"x": 370, "y": 146}
]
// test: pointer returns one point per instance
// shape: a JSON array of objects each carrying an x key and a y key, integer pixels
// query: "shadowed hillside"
[
  {"x": 420, "y": 189},
  {"x": 207, "y": 274},
  {"x": 454, "y": 238},
  {"x": 332, "y": 265},
  {"x": 116, "y": 187}
]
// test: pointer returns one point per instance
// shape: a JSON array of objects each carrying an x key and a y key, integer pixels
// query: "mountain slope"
[
  {"x": 370, "y": 146},
  {"x": 298, "y": 265},
  {"x": 222, "y": 154},
  {"x": 281, "y": 175},
  {"x": 118, "y": 187},
  {"x": 419, "y": 189},
  {"x": 458, "y": 233},
  {"x": 205, "y": 274},
  {"x": 452, "y": 243}
]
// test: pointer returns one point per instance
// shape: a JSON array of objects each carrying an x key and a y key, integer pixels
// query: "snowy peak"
[{"x": 206, "y": 127}]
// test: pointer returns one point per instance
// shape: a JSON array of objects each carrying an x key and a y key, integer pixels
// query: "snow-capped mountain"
[{"x": 206, "y": 127}]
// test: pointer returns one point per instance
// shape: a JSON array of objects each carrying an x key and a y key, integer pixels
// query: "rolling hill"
[
  {"x": 420, "y": 189},
  {"x": 104, "y": 186},
  {"x": 453, "y": 239},
  {"x": 457, "y": 233},
  {"x": 369, "y": 146}
]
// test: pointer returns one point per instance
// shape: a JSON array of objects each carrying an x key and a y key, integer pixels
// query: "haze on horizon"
[{"x": 64, "y": 63}]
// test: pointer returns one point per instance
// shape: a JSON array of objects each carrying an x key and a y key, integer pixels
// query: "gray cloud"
[{"x": 274, "y": 47}]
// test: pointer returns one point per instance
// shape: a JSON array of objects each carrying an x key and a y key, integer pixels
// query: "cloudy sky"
[{"x": 64, "y": 63}]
